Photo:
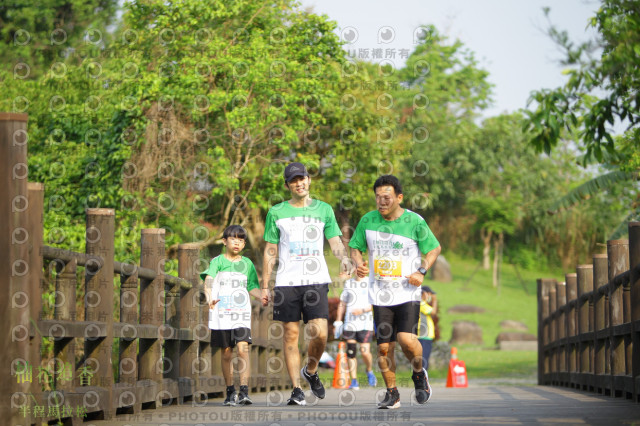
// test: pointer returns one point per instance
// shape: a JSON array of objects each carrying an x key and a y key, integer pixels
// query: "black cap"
[
  {"x": 294, "y": 170},
  {"x": 427, "y": 289}
]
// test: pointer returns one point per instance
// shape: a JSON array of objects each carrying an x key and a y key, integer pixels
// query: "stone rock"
[
  {"x": 513, "y": 325},
  {"x": 518, "y": 345},
  {"x": 465, "y": 309},
  {"x": 441, "y": 270},
  {"x": 466, "y": 332},
  {"x": 512, "y": 336}
]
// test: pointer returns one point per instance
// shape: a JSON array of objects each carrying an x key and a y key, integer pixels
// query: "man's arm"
[
  {"x": 269, "y": 260},
  {"x": 362, "y": 270},
  {"x": 416, "y": 278},
  {"x": 341, "y": 254}
]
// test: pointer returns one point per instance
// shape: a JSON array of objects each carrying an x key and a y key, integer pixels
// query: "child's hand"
[
  {"x": 212, "y": 304},
  {"x": 266, "y": 297}
]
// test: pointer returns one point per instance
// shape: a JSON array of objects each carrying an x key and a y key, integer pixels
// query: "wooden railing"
[
  {"x": 589, "y": 325},
  {"x": 161, "y": 341}
]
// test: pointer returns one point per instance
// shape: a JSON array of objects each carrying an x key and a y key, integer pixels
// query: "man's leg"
[
  {"x": 291, "y": 351},
  {"x": 387, "y": 363},
  {"x": 412, "y": 349},
  {"x": 351, "y": 358},
  {"x": 318, "y": 333}
]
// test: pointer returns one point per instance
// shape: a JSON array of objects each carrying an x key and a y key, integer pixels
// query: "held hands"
[
  {"x": 213, "y": 303},
  {"x": 266, "y": 297},
  {"x": 362, "y": 270},
  {"x": 346, "y": 268},
  {"x": 337, "y": 329},
  {"x": 415, "y": 279}
]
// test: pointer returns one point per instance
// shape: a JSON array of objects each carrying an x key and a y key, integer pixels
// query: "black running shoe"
[
  {"x": 423, "y": 388},
  {"x": 232, "y": 397},
  {"x": 314, "y": 381},
  {"x": 391, "y": 400},
  {"x": 243, "y": 396},
  {"x": 297, "y": 397}
]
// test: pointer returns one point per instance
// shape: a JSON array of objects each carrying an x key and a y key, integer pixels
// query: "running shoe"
[
  {"x": 422, "y": 386},
  {"x": 354, "y": 384},
  {"x": 391, "y": 400},
  {"x": 232, "y": 397},
  {"x": 243, "y": 396},
  {"x": 314, "y": 381},
  {"x": 297, "y": 397},
  {"x": 373, "y": 381}
]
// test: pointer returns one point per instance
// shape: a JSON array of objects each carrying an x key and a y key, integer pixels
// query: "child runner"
[{"x": 228, "y": 282}]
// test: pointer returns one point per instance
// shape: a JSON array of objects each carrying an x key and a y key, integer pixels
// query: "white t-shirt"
[
  {"x": 356, "y": 296},
  {"x": 299, "y": 233}
]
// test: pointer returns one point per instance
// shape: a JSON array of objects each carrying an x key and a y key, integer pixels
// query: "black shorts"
[
  {"x": 390, "y": 320},
  {"x": 360, "y": 336},
  {"x": 229, "y": 338},
  {"x": 309, "y": 300}
]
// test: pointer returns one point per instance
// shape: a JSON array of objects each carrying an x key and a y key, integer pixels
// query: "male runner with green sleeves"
[
  {"x": 294, "y": 233},
  {"x": 395, "y": 238}
]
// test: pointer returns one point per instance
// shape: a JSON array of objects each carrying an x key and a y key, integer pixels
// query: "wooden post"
[
  {"x": 561, "y": 324},
  {"x": 634, "y": 261},
  {"x": 14, "y": 318},
  {"x": 100, "y": 235},
  {"x": 151, "y": 313},
  {"x": 584, "y": 275},
  {"x": 35, "y": 230},
  {"x": 572, "y": 295},
  {"x": 128, "y": 346},
  {"x": 601, "y": 358},
  {"x": 553, "y": 332},
  {"x": 187, "y": 268},
  {"x": 171, "y": 360},
  {"x": 64, "y": 348},
  {"x": 543, "y": 286},
  {"x": 618, "y": 252}
]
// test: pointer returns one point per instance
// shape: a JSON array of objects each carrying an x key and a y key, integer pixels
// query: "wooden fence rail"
[
  {"x": 161, "y": 341},
  {"x": 589, "y": 325}
]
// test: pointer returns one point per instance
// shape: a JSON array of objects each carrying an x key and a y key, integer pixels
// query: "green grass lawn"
[{"x": 515, "y": 300}]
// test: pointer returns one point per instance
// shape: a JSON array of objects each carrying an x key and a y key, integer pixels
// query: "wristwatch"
[{"x": 422, "y": 271}]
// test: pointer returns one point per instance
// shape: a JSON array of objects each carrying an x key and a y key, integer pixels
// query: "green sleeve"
[
  {"x": 212, "y": 270},
  {"x": 331, "y": 228},
  {"x": 252, "y": 276},
  {"x": 271, "y": 231},
  {"x": 359, "y": 238},
  {"x": 425, "y": 238}
]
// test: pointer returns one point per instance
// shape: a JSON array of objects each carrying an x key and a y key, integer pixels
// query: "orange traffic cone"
[
  {"x": 457, "y": 376},
  {"x": 341, "y": 372}
]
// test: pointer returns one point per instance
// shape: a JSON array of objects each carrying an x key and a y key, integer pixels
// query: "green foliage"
[
  {"x": 600, "y": 90},
  {"x": 33, "y": 35}
]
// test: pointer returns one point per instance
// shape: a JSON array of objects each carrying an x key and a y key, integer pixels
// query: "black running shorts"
[
  {"x": 390, "y": 320},
  {"x": 311, "y": 301}
]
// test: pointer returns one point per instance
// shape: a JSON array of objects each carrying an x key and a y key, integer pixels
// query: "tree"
[
  {"x": 603, "y": 85},
  {"x": 602, "y": 91},
  {"x": 33, "y": 35}
]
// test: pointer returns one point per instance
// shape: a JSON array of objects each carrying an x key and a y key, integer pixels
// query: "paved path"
[{"x": 492, "y": 405}]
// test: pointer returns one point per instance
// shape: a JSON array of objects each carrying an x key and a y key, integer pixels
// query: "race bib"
[{"x": 387, "y": 268}]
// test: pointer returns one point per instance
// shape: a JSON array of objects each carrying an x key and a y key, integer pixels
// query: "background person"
[
  {"x": 295, "y": 232},
  {"x": 395, "y": 238},
  {"x": 228, "y": 282},
  {"x": 357, "y": 327},
  {"x": 426, "y": 326}
]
